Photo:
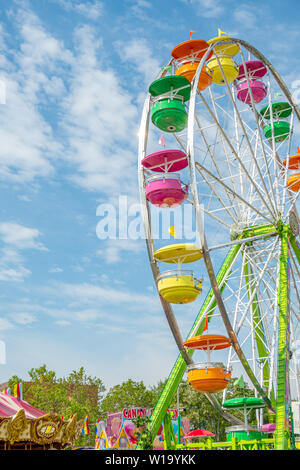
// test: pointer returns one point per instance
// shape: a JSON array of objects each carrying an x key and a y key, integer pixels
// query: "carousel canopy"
[
  {"x": 22, "y": 426},
  {"x": 9, "y": 406}
]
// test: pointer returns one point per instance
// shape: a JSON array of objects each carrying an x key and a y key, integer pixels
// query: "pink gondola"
[
  {"x": 165, "y": 161},
  {"x": 255, "y": 70},
  {"x": 258, "y": 88},
  {"x": 165, "y": 190}
]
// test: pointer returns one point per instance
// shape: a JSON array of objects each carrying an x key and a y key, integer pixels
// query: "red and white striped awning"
[{"x": 9, "y": 406}]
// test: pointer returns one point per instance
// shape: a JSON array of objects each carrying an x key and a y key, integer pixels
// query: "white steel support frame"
[
  {"x": 272, "y": 200},
  {"x": 246, "y": 187}
]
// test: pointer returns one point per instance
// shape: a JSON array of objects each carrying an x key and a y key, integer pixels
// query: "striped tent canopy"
[
  {"x": 22, "y": 426},
  {"x": 9, "y": 406}
]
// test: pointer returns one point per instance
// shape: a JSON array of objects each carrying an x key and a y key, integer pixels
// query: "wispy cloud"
[
  {"x": 27, "y": 142},
  {"x": 105, "y": 308},
  {"x": 85, "y": 294},
  {"x": 15, "y": 238},
  {"x": 20, "y": 237},
  {"x": 139, "y": 53},
  {"x": 140, "y": 6},
  {"x": 56, "y": 270},
  {"x": 114, "y": 250},
  {"x": 95, "y": 114},
  {"x": 207, "y": 8},
  {"x": 99, "y": 120},
  {"x": 89, "y": 9},
  {"x": 63, "y": 323},
  {"x": 23, "y": 318},
  {"x": 5, "y": 324},
  {"x": 13, "y": 273},
  {"x": 246, "y": 16}
]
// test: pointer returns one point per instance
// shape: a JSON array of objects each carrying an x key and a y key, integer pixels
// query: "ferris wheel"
[{"x": 233, "y": 158}]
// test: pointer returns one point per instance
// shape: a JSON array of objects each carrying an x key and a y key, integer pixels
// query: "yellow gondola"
[
  {"x": 177, "y": 286},
  {"x": 222, "y": 60}
]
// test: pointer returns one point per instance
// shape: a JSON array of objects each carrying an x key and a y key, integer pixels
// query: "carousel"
[{"x": 24, "y": 427}]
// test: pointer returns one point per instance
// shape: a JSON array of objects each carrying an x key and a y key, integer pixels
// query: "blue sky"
[{"x": 76, "y": 74}]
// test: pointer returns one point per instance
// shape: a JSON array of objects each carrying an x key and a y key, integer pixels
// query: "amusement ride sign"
[{"x": 132, "y": 413}]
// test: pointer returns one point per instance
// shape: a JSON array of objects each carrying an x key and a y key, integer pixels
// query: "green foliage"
[
  {"x": 83, "y": 395},
  {"x": 78, "y": 394},
  {"x": 143, "y": 431},
  {"x": 129, "y": 394}
]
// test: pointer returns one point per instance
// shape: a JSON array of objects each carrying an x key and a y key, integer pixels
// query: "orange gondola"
[
  {"x": 293, "y": 163},
  {"x": 208, "y": 342},
  {"x": 188, "y": 55},
  {"x": 209, "y": 377}
]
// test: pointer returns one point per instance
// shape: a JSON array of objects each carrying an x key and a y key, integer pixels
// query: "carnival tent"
[
  {"x": 9, "y": 406},
  {"x": 22, "y": 426}
]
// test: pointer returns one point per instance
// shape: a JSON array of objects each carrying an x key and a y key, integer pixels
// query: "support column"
[{"x": 282, "y": 436}]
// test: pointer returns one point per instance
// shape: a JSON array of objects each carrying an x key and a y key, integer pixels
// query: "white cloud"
[
  {"x": 89, "y": 293},
  {"x": 91, "y": 10},
  {"x": 207, "y": 8},
  {"x": 11, "y": 265},
  {"x": 139, "y": 52},
  {"x": 13, "y": 274},
  {"x": 5, "y": 324},
  {"x": 2, "y": 36},
  {"x": 244, "y": 15},
  {"x": 88, "y": 315},
  {"x": 56, "y": 270},
  {"x": 139, "y": 7},
  {"x": 88, "y": 305},
  {"x": 24, "y": 198},
  {"x": 23, "y": 318},
  {"x": 16, "y": 237},
  {"x": 25, "y": 137},
  {"x": 99, "y": 120},
  {"x": 62, "y": 323},
  {"x": 96, "y": 116},
  {"x": 27, "y": 143},
  {"x": 98, "y": 306},
  {"x": 20, "y": 237},
  {"x": 114, "y": 250}
]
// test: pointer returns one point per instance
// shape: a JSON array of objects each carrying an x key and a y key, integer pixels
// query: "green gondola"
[{"x": 170, "y": 94}]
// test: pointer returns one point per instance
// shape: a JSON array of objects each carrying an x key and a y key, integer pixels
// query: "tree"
[
  {"x": 83, "y": 395},
  {"x": 142, "y": 431},
  {"x": 78, "y": 394},
  {"x": 129, "y": 394}
]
